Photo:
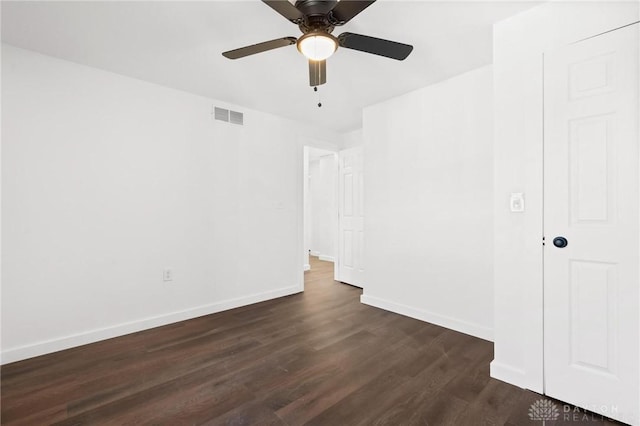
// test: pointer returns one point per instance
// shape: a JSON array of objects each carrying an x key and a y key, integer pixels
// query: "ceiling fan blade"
[
  {"x": 286, "y": 9},
  {"x": 259, "y": 48},
  {"x": 345, "y": 10},
  {"x": 376, "y": 46},
  {"x": 317, "y": 73}
]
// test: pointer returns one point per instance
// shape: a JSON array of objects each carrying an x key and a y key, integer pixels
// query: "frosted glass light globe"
[{"x": 317, "y": 46}]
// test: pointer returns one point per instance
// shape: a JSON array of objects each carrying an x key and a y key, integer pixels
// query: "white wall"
[
  {"x": 106, "y": 180},
  {"x": 519, "y": 43},
  {"x": 352, "y": 139},
  {"x": 428, "y": 204},
  {"x": 322, "y": 205}
]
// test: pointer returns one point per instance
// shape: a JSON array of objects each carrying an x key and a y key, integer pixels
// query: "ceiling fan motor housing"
[
  {"x": 315, "y": 7},
  {"x": 317, "y": 15}
]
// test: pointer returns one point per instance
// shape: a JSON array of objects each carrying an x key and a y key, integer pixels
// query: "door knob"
[{"x": 560, "y": 242}]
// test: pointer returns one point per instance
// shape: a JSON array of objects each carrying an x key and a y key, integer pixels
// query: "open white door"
[
  {"x": 591, "y": 162},
  {"x": 349, "y": 267}
]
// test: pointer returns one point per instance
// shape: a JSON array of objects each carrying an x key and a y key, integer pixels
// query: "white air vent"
[
  {"x": 222, "y": 114},
  {"x": 233, "y": 117},
  {"x": 236, "y": 117}
]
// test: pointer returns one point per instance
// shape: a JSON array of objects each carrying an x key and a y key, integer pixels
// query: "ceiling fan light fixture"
[{"x": 317, "y": 45}]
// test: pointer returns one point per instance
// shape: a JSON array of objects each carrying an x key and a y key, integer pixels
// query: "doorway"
[{"x": 320, "y": 205}]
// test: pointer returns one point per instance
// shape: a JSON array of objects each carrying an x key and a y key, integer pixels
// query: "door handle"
[{"x": 560, "y": 242}]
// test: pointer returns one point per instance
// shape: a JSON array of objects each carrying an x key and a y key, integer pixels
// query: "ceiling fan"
[{"x": 317, "y": 19}]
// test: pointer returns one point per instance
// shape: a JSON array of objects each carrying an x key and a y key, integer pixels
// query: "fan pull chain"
[{"x": 315, "y": 89}]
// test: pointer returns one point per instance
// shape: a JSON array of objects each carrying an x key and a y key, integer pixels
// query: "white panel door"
[
  {"x": 349, "y": 268},
  {"x": 591, "y": 158}
]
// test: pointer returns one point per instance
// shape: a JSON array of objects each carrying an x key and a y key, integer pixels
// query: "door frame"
[{"x": 306, "y": 147}]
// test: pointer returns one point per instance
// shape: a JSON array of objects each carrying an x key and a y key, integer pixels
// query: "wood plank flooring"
[{"x": 317, "y": 358}]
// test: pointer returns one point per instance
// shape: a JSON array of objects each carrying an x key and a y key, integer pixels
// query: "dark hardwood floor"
[{"x": 318, "y": 358}]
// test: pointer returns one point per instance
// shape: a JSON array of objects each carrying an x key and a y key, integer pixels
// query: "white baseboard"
[
  {"x": 465, "y": 327},
  {"x": 508, "y": 374},
  {"x": 314, "y": 253},
  {"x": 58, "y": 344},
  {"x": 307, "y": 267},
  {"x": 326, "y": 258}
]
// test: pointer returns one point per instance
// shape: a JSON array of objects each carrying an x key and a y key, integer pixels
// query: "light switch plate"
[{"x": 516, "y": 202}]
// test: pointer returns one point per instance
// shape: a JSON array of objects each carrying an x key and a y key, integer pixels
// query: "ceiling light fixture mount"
[{"x": 317, "y": 45}]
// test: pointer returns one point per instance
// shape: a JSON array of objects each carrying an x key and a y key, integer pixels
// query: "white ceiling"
[{"x": 179, "y": 45}]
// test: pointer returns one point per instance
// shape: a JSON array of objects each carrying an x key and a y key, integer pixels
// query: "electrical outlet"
[{"x": 167, "y": 274}]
